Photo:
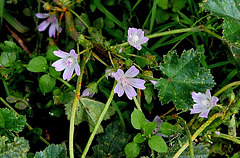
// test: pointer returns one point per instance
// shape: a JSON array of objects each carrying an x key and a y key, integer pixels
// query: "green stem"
[
  {"x": 79, "y": 18},
  {"x": 225, "y": 136},
  {"x": 28, "y": 126},
  {"x": 136, "y": 4},
  {"x": 5, "y": 87},
  {"x": 194, "y": 136},
  {"x": 137, "y": 103},
  {"x": 99, "y": 122},
  {"x": 212, "y": 33},
  {"x": 226, "y": 87},
  {"x": 73, "y": 113},
  {"x": 75, "y": 101},
  {"x": 183, "y": 123},
  {"x": 65, "y": 82},
  {"x": 193, "y": 29}
]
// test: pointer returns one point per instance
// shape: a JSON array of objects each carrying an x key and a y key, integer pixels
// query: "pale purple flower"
[
  {"x": 126, "y": 82},
  {"x": 159, "y": 122},
  {"x": 136, "y": 38},
  {"x": 1, "y": 65},
  {"x": 68, "y": 62},
  {"x": 108, "y": 73},
  {"x": 51, "y": 20},
  {"x": 153, "y": 82},
  {"x": 204, "y": 103},
  {"x": 120, "y": 50},
  {"x": 217, "y": 132},
  {"x": 86, "y": 93}
]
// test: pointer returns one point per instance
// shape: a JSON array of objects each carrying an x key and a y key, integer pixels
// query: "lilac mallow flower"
[
  {"x": 126, "y": 82},
  {"x": 111, "y": 74},
  {"x": 158, "y": 125},
  {"x": 68, "y": 62},
  {"x": 136, "y": 38},
  {"x": 51, "y": 20},
  {"x": 204, "y": 103},
  {"x": 86, "y": 93}
]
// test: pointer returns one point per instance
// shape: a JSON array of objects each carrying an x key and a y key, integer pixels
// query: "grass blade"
[{"x": 108, "y": 14}]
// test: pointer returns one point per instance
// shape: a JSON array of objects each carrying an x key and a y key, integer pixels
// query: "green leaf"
[
  {"x": 229, "y": 10},
  {"x": 138, "y": 138},
  {"x": 54, "y": 73},
  {"x": 37, "y": 64},
  {"x": 18, "y": 148},
  {"x": 158, "y": 144},
  {"x": 148, "y": 93},
  {"x": 7, "y": 59},
  {"x": 167, "y": 129},
  {"x": 132, "y": 150},
  {"x": 223, "y": 8},
  {"x": 138, "y": 119},
  {"x": 10, "y": 122},
  {"x": 231, "y": 31},
  {"x": 88, "y": 110},
  {"x": 50, "y": 55},
  {"x": 54, "y": 151},
  {"x": 46, "y": 83},
  {"x": 112, "y": 142},
  {"x": 98, "y": 23},
  {"x": 163, "y": 4},
  {"x": 149, "y": 127},
  {"x": 183, "y": 76}
]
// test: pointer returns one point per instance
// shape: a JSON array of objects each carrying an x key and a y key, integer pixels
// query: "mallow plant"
[{"x": 159, "y": 85}]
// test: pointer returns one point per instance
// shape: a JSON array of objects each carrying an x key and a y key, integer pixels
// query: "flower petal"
[
  {"x": 138, "y": 47},
  {"x": 42, "y": 15},
  {"x": 61, "y": 54},
  {"x": 77, "y": 69},
  {"x": 214, "y": 101},
  {"x": 52, "y": 30},
  {"x": 86, "y": 92},
  {"x": 67, "y": 74},
  {"x": 137, "y": 83},
  {"x": 59, "y": 65},
  {"x": 132, "y": 72},
  {"x": 72, "y": 52},
  {"x": 208, "y": 94},
  {"x": 198, "y": 97},
  {"x": 153, "y": 82},
  {"x": 118, "y": 74},
  {"x": 43, "y": 25},
  {"x": 119, "y": 89},
  {"x": 130, "y": 92},
  {"x": 204, "y": 114},
  {"x": 143, "y": 40},
  {"x": 131, "y": 31}
]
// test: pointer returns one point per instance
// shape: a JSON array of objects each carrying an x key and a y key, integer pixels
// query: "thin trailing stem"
[
  {"x": 194, "y": 136},
  {"x": 99, "y": 122},
  {"x": 74, "y": 107},
  {"x": 79, "y": 18},
  {"x": 193, "y": 29},
  {"x": 28, "y": 126},
  {"x": 5, "y": 87},
  {"x": 226, "y": 87},
  {"x": 183, "y": 123},
  {"x": 137, "y": 103}
]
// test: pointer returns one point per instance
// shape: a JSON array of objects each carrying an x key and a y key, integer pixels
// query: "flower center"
[
  {"x": 51, "y": 19},
  {"x": 69, "y": 61},
  {"x": 135, "y": 38},
  {"x": 206, "y": 103},
  {"x": 124, "y": 81}
]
